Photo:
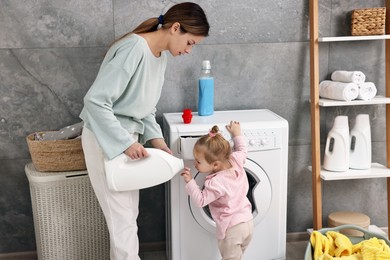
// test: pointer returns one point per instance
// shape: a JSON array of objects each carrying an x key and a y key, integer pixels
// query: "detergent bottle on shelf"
[
  {"x": 336, "y": 156},
  {"x": 360, "y": 143}
]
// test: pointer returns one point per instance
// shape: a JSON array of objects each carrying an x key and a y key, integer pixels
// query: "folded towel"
[
  {"x": 348, "y": 76},
  {"x": 367, "y": 91},
  {"x": 338, "y": 90}
]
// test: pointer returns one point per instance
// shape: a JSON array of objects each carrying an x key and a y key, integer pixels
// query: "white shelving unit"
[
  {"x": 353, "y": 38},
  {"x": 338, "y": 103},
  {"x": 376, "y": 171},
  {"x": 318, "y": 173}
]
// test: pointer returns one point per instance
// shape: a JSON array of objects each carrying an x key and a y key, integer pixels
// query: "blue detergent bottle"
[{"x": 206, "y": 90}]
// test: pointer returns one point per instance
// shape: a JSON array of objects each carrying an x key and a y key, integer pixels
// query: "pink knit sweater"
[{"x": 225, "y": 192}]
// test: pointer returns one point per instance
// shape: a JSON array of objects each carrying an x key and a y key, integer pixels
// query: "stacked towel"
[
  {"x": 347, "y": 86},
  {"x": 367, "y": 91},
  {"x": 338, "y": 90},
  {"x": 348, "y": 76}
]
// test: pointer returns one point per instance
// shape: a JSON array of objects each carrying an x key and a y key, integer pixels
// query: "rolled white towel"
[
  {"x": 348, "y": 76},
  {"x": 367, "y": 91},
  {"x": 338, "y": 90}
]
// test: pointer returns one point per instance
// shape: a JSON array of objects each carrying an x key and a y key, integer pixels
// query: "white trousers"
[
  {"x": 120, "y": 209},
  {"x": 237, "y": 239}
]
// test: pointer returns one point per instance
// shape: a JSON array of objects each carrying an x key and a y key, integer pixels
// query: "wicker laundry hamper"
[
  {"x": 56, "y": 155},
  {"x": 68, "y": 221}
]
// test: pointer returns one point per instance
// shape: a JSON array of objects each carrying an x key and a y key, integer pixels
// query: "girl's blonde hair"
[
  {"x": 191, "y": 17},
  {"x": 214, "y": 146}
]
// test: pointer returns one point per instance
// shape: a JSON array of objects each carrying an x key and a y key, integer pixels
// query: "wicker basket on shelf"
[
  {"x": 56, "y": 155},
  {"x": 370, "y": 21}
]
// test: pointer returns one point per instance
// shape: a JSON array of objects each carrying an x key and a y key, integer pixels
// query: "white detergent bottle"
[
  {"x": 336, "y": 156},
  {"x": 360, "y": 140},
  {"x": 124, "y": 174}
]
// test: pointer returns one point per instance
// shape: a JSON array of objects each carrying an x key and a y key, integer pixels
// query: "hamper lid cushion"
[{"x": 348, "y": 217}]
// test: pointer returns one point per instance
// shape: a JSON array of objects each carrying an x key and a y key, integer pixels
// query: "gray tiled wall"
[{"x": 50, "y": 52}]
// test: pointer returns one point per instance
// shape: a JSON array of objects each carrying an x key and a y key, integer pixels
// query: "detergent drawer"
[{"x": 186, "y": 147}]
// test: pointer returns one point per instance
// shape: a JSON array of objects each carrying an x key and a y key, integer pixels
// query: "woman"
[{"x": 119, "y": 110}]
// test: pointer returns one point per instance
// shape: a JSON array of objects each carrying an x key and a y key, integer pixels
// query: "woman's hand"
[
  {"x": 186, "y": 174},
  {"x": 136, "y": 151},
  {"x": 159, "y": 143}
]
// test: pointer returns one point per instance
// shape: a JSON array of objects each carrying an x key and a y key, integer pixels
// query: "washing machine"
[{"x": 191, "y": 231}]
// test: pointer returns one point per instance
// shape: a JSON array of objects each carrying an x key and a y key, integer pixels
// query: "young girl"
[
  {"x": 119, "y": 110},
  {"x": 225, "y": 188}
]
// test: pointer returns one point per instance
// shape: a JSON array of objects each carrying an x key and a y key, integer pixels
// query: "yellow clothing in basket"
[
  {"x": 350, "y": 257},
  {"x": 373, "y": 248},
  {"x": 338, "y": 246},
  {"x": 334, "y": 244},
  {"x": 319, "y": 243}
]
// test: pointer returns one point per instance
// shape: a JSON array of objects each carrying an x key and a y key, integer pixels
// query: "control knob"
[
  {"x": 252, "y": 142},
  {"x": 263, "y": 141}
]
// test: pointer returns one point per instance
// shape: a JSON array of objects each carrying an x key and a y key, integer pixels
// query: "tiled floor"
[{"x": 295, "y": 251}]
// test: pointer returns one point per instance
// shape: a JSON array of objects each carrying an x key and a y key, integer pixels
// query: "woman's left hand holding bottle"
[
  {"x": 136, "y": 151},
  {"x": 159, "y": 143}
]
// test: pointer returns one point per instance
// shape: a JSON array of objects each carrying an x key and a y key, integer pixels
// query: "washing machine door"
[{"x": 259, "y": 195}]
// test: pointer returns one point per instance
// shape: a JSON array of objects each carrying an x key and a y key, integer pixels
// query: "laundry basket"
[
  {"x": 68, "y": 221},
  {"x": 366, "y": 235}
]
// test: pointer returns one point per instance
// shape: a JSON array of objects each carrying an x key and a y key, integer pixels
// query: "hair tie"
[
  {"x": 161, "y": 19},
  {"x": 211, "y": 134}
]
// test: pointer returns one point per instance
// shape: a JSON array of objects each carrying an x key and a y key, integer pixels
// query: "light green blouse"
[{"x": 123, "y": 98}]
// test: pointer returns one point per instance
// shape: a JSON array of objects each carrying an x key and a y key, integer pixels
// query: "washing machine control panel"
[{"x": 259, "y": 139}]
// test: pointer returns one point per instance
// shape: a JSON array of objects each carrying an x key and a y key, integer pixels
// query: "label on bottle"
[{"x": 206, "y": 96}]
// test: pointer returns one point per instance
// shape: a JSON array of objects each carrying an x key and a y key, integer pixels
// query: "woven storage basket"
[
  {"x": 56, "y": 155},
  {"x": 370, "y": 21}
]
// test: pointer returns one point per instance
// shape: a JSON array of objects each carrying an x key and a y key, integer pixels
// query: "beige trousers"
[
  {"x": 120, "y": 209},
  {"x": 236, "y": 240}
]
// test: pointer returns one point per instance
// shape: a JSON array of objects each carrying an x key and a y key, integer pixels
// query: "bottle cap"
[
  {"x": 187, "y": 115},
  {"x": 206, "y": 65}
]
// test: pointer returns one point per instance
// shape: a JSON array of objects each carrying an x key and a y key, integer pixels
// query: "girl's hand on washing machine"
[
  {"x": 234, "y": 128},
  {"x": 186, "y": 174}
]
